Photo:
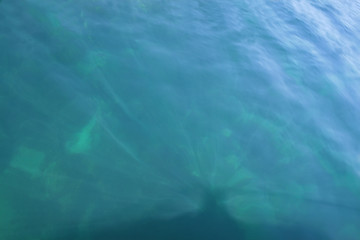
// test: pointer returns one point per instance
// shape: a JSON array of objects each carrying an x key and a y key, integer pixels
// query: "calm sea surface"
[{"x": 115, "y": 111}]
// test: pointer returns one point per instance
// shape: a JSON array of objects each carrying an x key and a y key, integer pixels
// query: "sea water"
[{"x": 115, "y": 111}]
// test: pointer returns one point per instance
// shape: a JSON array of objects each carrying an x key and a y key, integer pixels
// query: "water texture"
[{"x": 112, "y": 112}]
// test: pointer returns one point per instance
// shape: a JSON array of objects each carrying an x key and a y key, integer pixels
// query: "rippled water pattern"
[{"x": 114, "y": 111}]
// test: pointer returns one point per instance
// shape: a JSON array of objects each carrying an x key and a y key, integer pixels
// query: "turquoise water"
[{"x": 112, "y": 112}]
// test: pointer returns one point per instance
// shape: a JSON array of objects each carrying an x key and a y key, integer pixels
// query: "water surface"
[{"x": 117, "y": 112}]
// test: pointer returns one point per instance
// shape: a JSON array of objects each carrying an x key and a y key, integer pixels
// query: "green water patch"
[
  {"x": 226, "y": 132},
  {"x": 28, "y": 160},
  {"x": 82, "y": 140}
]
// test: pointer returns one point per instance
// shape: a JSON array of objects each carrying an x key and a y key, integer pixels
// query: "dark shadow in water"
[{"x": 212, "y": 223}]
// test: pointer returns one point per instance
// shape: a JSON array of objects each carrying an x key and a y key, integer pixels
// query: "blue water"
[{"x": 112, "y": 112}]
